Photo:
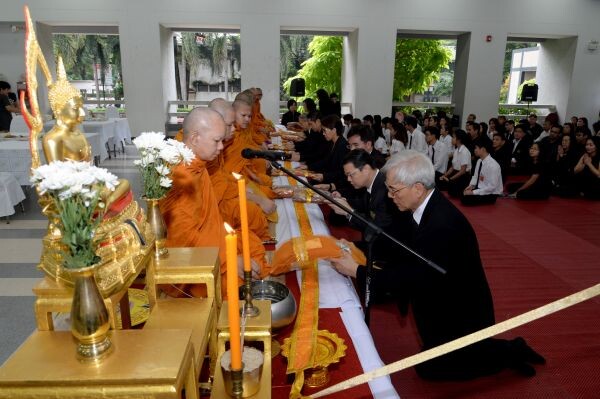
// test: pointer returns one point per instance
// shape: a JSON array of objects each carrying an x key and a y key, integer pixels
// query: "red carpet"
[{"x": 533, "y": 253}]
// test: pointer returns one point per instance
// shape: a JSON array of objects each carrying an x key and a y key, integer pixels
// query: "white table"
[
  {"x": 11, "y": 194},
  {"x": 122, "y": 130},
  {"x": 335, "y": 290},
  {"x": 15, "y": 156}
]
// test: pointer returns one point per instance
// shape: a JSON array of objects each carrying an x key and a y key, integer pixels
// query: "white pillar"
[
  {"x": 142, "y": 62},
  {"x": 349, "y": 62},
  {"x": 375, "y": 69},
  {"x": 260, "y": 61},
  {"x": 584, "y": 93},
  {"x": 478, "y": 74}
]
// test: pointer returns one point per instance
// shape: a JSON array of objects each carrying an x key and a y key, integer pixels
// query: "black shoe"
[{"x": 525, "y": 353}]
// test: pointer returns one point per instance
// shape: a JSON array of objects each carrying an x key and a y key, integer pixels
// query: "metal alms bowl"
[{"x": 283, "y": 303}]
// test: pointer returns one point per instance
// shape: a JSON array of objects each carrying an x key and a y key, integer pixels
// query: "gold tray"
[{"x": 330, "y": 348}]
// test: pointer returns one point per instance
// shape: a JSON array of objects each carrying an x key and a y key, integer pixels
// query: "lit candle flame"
[
  {"x": 236, "y": 175},
  {"x": 229, "y": 229}
]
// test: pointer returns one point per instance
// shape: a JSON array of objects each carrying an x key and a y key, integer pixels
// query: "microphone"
[{"x": 249, "y": 153}]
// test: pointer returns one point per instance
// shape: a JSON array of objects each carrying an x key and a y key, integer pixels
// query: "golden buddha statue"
[{"x": 125, "y": 237}]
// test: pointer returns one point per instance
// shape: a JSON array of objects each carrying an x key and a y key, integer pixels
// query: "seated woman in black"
[
  {"x": 291, "y": 115},
  {"x": 539, "y": 184},
  {"x": 587, "y": 169},
  {"x": 562, "y": 168},
  {"x": 331, "y": 167}
]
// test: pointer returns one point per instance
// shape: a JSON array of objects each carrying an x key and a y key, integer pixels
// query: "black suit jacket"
[
  {"x": 377, "y": 207},
  {"x": 313, "y": 148},
  {"x": 445, "y": 306},
  {"x": 521, "y": 153},
  {"x": 332, "y": 164}
]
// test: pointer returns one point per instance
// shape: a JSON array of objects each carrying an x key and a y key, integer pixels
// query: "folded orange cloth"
[{"x": 297, "y": 251}]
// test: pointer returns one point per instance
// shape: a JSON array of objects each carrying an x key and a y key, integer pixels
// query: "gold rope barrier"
[{"x": 464, "y": 341}]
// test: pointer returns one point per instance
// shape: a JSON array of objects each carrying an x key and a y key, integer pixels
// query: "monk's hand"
[
  {"x": 345, "y": 265},
  {"x": 267, "y": 205}
]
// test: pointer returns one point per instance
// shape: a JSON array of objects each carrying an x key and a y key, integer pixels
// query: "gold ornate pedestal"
[
  {"x": 188, "y": 266},
  {"x": 144, "y": 364},
  {"x": 257, "y": 329},
  {"x": 52, "y": 297}
]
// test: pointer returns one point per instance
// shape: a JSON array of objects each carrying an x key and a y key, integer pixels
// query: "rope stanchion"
[{"x": 458, "y": 343}]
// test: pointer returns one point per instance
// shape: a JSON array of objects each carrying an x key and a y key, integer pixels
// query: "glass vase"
[
  {"x": 89, "y": 317},
  {"x": 158, "y": 225}
]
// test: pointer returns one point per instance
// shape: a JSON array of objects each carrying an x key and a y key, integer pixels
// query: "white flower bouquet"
[
  {"x": 76, "y": 190},
  {"x": 158, "y": 158}
]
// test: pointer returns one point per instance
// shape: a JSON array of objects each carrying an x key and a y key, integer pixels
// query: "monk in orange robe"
[
  {"x": 253, "y": 169},
  {"x": 190, "y": 208},
  {"x": 225, "y": 185},
  {"x": 260, "y": 126}
]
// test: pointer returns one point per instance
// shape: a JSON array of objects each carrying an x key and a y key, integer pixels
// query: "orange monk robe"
[
  {"x": 193, "y": 219},
  {"x": 259, "y": 125},
  {"x": 234, "y": 162},
  {"x": 225, "y": 188}
]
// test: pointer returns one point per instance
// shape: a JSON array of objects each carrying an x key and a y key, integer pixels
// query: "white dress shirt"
[
  {"x": 416, "y": 141},
  {"x": 418, "y": 213},
  {"x": 447, "y": 139},
  {"x": 396, "y": 147},
  {"x": 381, "y": 146},
  {"x": 487, "y": 171},
  {"x": 541, "y": 136},
  {"x": 462, "y": 156},
  {"x": 438, "y": 153}
]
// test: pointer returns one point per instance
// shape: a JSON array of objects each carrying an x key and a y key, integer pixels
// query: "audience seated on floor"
[
  {"x": 437, "y": 151},
  {"x": 539, "y": 184},
  {"x": 486, "y": 184},
  {"x": 520, "y": 160},
  {"x": 501, "y": 152},
  {"x": 458, "y": 176},
  {"x": 587, "y": 170}
]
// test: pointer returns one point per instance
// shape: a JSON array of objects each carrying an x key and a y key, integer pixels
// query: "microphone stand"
[{"x": 371, "y": 233}]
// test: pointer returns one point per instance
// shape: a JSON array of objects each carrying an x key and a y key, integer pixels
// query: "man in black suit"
[
  {"x": 519, "y": 163},
  {"x": 362, "y": 137},
  {"x": 370, "y": 200},
  {"x": 445, "y": 306}
]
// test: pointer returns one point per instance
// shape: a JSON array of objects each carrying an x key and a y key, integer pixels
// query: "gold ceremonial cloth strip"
[
  {"x": 304, "y": 336},
  {"x": 464, "y": 341}
]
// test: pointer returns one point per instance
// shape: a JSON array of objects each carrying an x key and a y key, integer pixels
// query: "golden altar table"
[{"x": 144, "y": 364}]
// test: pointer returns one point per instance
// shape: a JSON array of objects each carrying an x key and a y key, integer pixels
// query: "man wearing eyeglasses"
[{"x": 445, "y": 306}]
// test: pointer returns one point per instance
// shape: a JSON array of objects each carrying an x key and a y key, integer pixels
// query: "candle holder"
[
  {"x": 249, "y": 309},
  {"x": 244, "y": 382}
]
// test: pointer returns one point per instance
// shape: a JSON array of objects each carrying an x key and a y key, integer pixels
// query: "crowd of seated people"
[{"x": 528, "y": 160}]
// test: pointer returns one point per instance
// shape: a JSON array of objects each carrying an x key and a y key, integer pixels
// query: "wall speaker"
[
  {"x": 297, "y": 87},
  {"x": 529, "y": 93}
]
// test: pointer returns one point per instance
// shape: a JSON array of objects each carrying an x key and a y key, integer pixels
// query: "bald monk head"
[
  {"x": 225, "y": 109},
  {"x": 203, "y": 133},
  {"x": 257, "y": 92},
  {"x": 247, "y": 96},
  {"x": 243, "y": 113}
]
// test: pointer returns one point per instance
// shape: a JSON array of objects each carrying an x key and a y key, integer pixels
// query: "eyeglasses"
[{"x": 393, "y": 191}]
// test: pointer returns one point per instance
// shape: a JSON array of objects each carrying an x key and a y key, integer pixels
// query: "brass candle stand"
[
  {"x": 249, "y": 309},
  {"x": 237, "y": 378}
]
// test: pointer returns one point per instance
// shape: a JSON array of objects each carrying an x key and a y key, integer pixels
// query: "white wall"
[
  {"x": 375, "y": 23},
  {"x": 12, "y": 63},
  {"x": 553, "y": 75}
]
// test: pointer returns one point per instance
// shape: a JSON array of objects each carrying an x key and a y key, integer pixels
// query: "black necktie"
[
  {"x": 478, "y": 174},
  {"x": 432, "y": 154},
  {"x": 410, "y": 143}
]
